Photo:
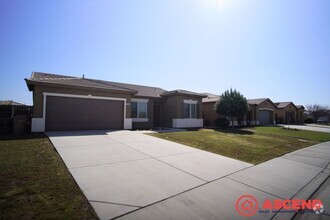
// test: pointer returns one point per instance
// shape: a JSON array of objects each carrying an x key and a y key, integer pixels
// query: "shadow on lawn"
[
  {"x": 235, "y": 131},
  {"x": 22, "y": 137}
]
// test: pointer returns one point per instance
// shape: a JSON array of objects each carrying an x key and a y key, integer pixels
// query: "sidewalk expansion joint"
[
  {"x": 155, "y": 158},
  {"x": 302, "y": 162},
  {"x": 185, "y": 191},
  {"x": 104, "y": 164},
  {"x": 114, "y": 203},
  {"x": 256, "y": 188}
]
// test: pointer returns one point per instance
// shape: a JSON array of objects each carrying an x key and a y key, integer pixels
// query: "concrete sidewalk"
[
  {"x": 294, "y": 176},
  {"x": 128, "y": 175},
  {"x": 306, "y": 127}
]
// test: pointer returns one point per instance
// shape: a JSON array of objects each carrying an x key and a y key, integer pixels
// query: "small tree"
[
  {"x": 316, "y": 111},
  {"x": 232, "y": 104}
]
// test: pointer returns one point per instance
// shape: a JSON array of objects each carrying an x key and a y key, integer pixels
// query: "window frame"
[
  {"x": 138, "y": 118},
  {"x": 190, "y": 103}
]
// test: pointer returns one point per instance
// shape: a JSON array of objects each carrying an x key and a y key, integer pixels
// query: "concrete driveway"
[
  {"x": 123, "y": 171},
  {"x": 307, "y": 127},
  {"x": 129, "y": 175}
]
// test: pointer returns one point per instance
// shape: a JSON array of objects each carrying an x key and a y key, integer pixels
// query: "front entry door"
[{"x": 157, "y": 115}]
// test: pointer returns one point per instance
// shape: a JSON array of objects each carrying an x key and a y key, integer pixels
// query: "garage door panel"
[
  {"x": 68, "y": 114},
  {"x": 265, "y": 117}
]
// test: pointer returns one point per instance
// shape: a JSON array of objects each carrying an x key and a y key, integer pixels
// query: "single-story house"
[
  {"x": 300, "y": 114},
  {"x": 286, "y": 112},
  {"x": 66, "y": 103},
  {"x": 262, "y": 111}
]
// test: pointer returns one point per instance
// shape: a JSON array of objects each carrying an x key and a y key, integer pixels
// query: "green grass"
[
  {"x": 279, "y": 131},
  {"x": 35, "y": 184},
  {"x": 254, "y": 146}
]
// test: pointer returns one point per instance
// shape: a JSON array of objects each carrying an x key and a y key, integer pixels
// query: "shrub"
[
  {"x": 222, "y": 122},
  {"x": 308, "y": 121}
]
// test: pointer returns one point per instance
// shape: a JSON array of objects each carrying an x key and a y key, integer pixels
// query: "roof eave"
[
  {"x": 32, "y": 83},
  {"x": 29, "y": 84},
  {"x": 166, "y": 94}
]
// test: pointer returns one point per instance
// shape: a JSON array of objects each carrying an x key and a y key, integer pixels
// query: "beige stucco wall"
[
  {"x": 300, "y": 116},
  {"x": 252, "y": 114},
  {"x": 208, "y": 112},
  {"x": 210, "y": 115},
  {"x": 266, "y": 105}
]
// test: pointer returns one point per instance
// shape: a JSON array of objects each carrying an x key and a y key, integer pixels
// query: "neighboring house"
[
  {"x": 261, "y": 112},
  {"x": 286, "y": 113},
  {"x": 10, "y": 102},
  {"x": 208, "y": 111},
  {"x": 300, "y": 114},
  {"x": 63, "y": 103}
]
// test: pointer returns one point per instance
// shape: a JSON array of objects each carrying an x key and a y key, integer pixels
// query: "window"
[
  {"x": 190, "y": 110},
  {"x": 139, "y": 108},
  {"x": 134, "y": 109}
]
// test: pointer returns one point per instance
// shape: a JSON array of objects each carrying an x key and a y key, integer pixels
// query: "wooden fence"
[{"x": 15, "y": 119}]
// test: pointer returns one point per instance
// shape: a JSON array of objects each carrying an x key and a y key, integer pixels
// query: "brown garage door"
[{"x": 72, "y": 114}]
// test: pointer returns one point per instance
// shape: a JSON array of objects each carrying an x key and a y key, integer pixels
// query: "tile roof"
[
  {"x": 182, "y": 92},
  {"x": 141, "y": 90},
  {"x": 300, "y": 106},
  {"x": 73, "y": 81},
  {"x": 214, "y": 99},
  {"x": 256, "y": 101},
  {"x": 283, "y": 104},
  {"x": 137, "y": 90},
  {"x": 210, "y": 97}
]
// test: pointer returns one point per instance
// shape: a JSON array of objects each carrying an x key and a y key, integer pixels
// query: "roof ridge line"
[
  {"x": 130, "y": 84},
  {"x": 98, "y": 81}
]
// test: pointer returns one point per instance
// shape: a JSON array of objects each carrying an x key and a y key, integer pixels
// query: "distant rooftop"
[
  {"x": 256, "y": 101},
  {"x": 283, "y": 104},
  {"x": 210, "y": 97},
  {"x": 9, "y": 102}
]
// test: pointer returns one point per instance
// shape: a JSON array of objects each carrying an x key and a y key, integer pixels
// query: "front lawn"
[
  {"x": 35, "y": 184},
  {"x": 279, "y": 131},
  {"x": 254, "y": 145}
]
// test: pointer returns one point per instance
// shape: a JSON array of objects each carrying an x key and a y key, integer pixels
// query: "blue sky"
[{"x": 277, "y": 48}]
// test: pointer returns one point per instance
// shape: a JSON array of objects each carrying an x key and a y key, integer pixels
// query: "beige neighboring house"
[
  {"x": 286, "y": 112},
  {"x": 300, "y": 114},
  {"x": 262, "y": 111},
  {"x": 67, "y": 103}
]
